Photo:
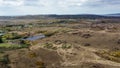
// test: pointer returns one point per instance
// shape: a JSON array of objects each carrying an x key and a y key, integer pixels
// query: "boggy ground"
[
  {"x": 72, "y": 49},
  {"x": 72, "y": 46}
]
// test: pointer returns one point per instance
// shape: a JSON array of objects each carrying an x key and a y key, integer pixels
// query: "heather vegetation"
[{"x": 60, "y": 43}]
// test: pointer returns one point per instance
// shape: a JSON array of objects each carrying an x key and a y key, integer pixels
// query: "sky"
[{"x": 34, "y": 7}]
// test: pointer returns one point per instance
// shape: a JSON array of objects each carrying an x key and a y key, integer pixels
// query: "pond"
[{"x": 36, "y": 37}]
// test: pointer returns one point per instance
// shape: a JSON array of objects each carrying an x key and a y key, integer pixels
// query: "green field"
[{"x": 7, "y": 45}]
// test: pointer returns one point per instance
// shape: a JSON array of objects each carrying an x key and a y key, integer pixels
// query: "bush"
[
  {"x": 10, "y": 36},
  {"x": 48, "y": 33},
  {"x": 24, "y": 46},
  {"x": 110, "y": 55},
  {"x": 48, "y": 45},
  {"x": 32, "y": 55},
  {"x": 4, "y": 59},
  {"x": 86, "y": 35},
  {"x": 66, "y": 46},
  {"x": 26, "y": 42},
  {"x": 87, "y": 44},
  {"x": 40, "y": 64},
  {"x": 115, "y": 54}
]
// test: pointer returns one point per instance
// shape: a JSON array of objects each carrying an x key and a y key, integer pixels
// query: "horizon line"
[{"x": 62, "y": 14}]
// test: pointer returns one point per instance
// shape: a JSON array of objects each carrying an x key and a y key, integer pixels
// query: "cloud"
[
  {"x": 58, "y": 3},
  {"x": 68, "y": 3},
  {"x": 58, "y": 6},
  {"x": 41, "y": 2},
  {"x": 11, "y": 2},
  {"x": 102, "y": 3}
]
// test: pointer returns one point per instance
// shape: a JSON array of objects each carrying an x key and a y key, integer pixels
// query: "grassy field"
[{"x": 7, "y": 45}]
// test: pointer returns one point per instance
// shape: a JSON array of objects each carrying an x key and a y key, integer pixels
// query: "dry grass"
[
  {"x": 110, "y": 55},
  {"x": 32, "y": 55},
  {"x": 40, "y": 64}
]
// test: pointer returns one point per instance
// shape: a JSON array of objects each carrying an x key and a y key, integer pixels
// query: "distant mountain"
[
  {"x": 83, "y": 16},
  {"x": 80, "y": 16},
  {"x": 116, "y": 14}
]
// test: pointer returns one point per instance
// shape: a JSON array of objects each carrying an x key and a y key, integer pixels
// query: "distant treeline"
[{"x": 82, "y": 16}]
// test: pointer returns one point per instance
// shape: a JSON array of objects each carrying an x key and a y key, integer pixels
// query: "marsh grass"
[{"x": 110, "y": 55}]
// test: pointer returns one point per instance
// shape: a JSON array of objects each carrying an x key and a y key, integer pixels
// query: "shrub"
[
  {"x": 111, "y": 55},
  {"x": 48, "y": 45},
  {"x": 49, "y": 33},
  {"x": 26, "y": 42},
  {"x": 118, "y": 42},
  {"x": 43, "y": 31},
  {"x": 40, "y": 64},
  {"x": 23, "y": 46},
  {"x": 4, "y": 59},
  {"x": 54, "y": 48},
  {"x": 57, "y": 42},
  {"x": 10, "y": 36},
  {"x": 32, "y": 55},
  {"x": 87, "y": 44},
  {"x": 66, "y": 46},
  {"x": 86, "y": 35},
  {"x": 115, "y": 54}
]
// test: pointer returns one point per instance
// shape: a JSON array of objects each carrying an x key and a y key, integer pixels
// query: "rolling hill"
[{"x": 80, "y": 16}]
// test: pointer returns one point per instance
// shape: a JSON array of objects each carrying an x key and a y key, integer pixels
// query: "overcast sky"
[{"x": 26, "y": 7}]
